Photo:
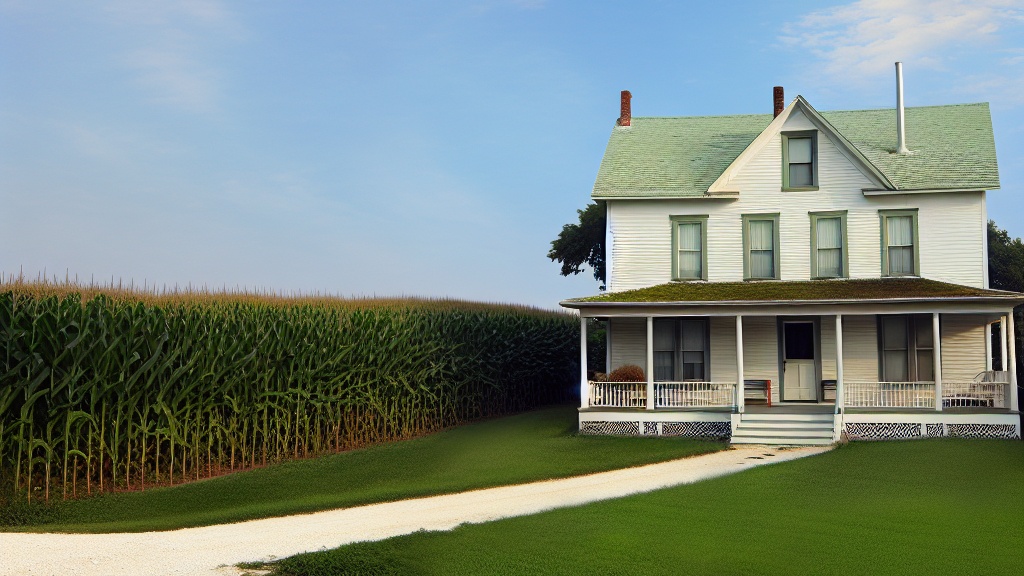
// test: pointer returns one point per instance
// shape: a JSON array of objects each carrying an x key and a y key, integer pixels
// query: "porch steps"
[{"x": 787, "y": 429}]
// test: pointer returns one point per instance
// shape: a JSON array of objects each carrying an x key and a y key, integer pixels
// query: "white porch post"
[
  {"x": 1002, "y": 343},
  {"x": 937, "y": 360},
  {"x": 650, "y": 363},
  {"x": 988, "y": 347},
  {"x": 1012, "y": 361},
  {"x": 584, "y": 385},
  {"x": 608, "y": 346},
  {"x": 840, "y": 389},
  {"x": 739, "y": 364}
]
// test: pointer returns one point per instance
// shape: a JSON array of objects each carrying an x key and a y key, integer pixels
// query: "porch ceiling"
[{"x": 861, "y": 291}]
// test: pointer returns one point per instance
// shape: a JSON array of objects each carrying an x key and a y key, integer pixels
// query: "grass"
[
  {"x": 925, "y": 507},
  {"x": 533, "y": 446}
]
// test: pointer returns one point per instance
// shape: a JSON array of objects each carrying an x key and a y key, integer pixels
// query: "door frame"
[{"x": 815, "y": 321}]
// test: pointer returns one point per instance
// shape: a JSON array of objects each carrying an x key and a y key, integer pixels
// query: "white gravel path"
[{"x": 213, "y": 550}]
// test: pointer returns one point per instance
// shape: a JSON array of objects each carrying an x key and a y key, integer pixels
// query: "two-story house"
[{"x": 791, "y": 277}]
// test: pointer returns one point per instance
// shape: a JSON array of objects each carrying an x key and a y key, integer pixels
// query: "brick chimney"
[
  {"x": 779, "y": 99},
  {"x": 625, "y": 113}
]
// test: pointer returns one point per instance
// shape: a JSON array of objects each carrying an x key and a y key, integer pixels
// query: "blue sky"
[{"x": 414, "y": 148}]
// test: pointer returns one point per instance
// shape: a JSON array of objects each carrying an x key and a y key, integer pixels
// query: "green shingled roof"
[
  {"x": 953, "y": 148},
  {"x": 804, "y": 290}
]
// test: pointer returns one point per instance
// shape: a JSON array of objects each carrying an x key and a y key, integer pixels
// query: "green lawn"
[
  {"x": 533, "y": 446},
  {"x": 925, "y": 507}
]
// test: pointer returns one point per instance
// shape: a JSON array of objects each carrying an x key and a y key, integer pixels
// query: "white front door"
[{"x": 800, "y": 377}]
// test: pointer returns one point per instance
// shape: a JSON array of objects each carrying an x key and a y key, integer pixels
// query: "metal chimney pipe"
[{"x": 901, "y": 135}]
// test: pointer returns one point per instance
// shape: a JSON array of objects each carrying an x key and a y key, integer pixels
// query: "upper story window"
[
  {"x": 761, "y": 246},
  {"x": 800, "y": 160},
  {"x": 899, "y": 243},
  {"x": 689, "y": 247},
  {"x": 829, "y": 256}
]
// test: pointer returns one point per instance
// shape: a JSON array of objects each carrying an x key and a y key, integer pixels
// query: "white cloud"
[
  {"x": 171, "y": 48},
  {"x": 863, "y": 39}
]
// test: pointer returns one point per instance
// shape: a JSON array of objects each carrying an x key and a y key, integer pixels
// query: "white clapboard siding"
[
  {"x": 828, "y": 348},
  {"x": 963, "y": 346},
  {"x": 761, "y": 351},
  {"x": 723, "y": 349},
  {"x": 860, "y": 348},
  {"x": 951, "y": 225},
  {"x": 629, "y": 342}
]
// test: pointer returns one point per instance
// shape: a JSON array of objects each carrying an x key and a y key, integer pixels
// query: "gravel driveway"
[{"x": 215, "y": 549}]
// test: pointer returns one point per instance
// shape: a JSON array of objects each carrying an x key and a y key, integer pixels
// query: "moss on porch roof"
[{"x": 808, "y": 290}]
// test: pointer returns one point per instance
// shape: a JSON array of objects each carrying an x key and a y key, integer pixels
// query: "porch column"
[
  {"x": 1011, "y": 361},
  {"x": 608, "y": 345},
  {"x": 584, "y": 385},
  {"x": 650, "y": 363},
  {"x": 937, "y": 360},
  {"x": 988, "y": 347},
  {"x": 739, "y": 364},
  {"x": 1002, "y": 343},
  {"x": 840, "y": 389}
]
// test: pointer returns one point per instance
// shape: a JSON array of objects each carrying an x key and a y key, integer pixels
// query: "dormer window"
[{"x": 800, "y": 160}]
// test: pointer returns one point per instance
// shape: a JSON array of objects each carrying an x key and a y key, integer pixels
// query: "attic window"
[{"x": 800, "y": 160}]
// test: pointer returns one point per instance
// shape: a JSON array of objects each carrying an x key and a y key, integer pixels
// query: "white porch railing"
[
  {"x": 973, "y": 394},
  {"x": 890, "y": 394},
  {"x": 694, "y": 394},
  {"x": 618, "y": 394}
]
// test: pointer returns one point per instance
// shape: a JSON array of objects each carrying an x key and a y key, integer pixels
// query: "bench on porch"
[{"x": 758, "y": 390}]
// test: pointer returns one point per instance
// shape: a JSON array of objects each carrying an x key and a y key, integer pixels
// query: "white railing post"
[
  {"x": 1012, "y": 361},
  {"x": 937, "y": 360},
  {"x": 584, "y": 385},
  {"x": 650, "y": 363},
  {"x": 739, "y": 364},
  {"x": 840, "y": 387}
]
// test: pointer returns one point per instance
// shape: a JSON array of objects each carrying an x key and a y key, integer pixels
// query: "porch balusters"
[{"x": 937, "y": 360}]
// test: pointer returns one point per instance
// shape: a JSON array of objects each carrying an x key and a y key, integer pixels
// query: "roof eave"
[{"x": 1012, "y": 297}]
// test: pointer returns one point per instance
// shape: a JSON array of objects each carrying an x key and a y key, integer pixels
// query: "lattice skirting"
[
  {"x": 982, "y": 430},
  {"x": 882, "y": 430},
  {"x": 697, "y": 429},
  {"x": 631, "y": 428},
  {"x": 933, "y": 430}
]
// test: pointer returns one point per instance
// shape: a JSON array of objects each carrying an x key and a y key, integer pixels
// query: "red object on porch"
[{"x": 768, "y": 394}]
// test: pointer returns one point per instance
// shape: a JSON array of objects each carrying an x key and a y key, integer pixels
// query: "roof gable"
[
  {"x": 721, "y": 185},
  {"x": 952, "y": 149}
]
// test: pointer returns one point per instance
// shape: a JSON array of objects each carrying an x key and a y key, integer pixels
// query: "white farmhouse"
[{"x": 789, "y": 278}]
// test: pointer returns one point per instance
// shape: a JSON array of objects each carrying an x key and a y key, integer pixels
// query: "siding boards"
[
  {"x": 723, "y": 349},
  {"x": 761, "y": 351},
  {"x": 860, "y": 349},
  {"x": 629, "y": 342},
  {"x": 963, "y": 346},
  {"x": 952, "y": 243},
  {"x": 828, "y": 347}
]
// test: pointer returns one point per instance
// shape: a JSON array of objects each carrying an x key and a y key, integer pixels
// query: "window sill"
[
  {"x": 830, "y": 277},
  {"x": 760, "y": 279},
  {"x": 689, "y": 279},
  {"x": 800, "y": 189}
]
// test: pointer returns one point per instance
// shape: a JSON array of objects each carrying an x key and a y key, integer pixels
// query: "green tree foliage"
[
  {"x": 582, "y": 244},
  {"x": 1006, "y": 272}
]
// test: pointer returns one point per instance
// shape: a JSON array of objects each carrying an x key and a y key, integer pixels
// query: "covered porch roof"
[{"x": 812, "y": 296}]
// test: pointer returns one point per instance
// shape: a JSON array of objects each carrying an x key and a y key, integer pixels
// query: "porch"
[{"x": 922, "y": 365}]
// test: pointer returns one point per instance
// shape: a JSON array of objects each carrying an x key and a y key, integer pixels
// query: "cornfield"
[{"x": 114, "y": 389}]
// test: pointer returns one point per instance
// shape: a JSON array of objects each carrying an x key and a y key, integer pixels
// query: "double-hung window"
[
  {"x": 761, "y": 246},
  {"x": 681, "y": 350},
  {"x": 828, "y": 245},
  {"x": 689, "y": 247},
  {"x": 907, "y": 348},
  {"x": 899, "y": 243},
  {"x": 800, "y": 160}
]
